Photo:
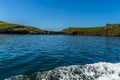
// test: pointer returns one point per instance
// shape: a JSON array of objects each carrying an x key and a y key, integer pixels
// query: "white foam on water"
[{"x": 96, "y": 71}]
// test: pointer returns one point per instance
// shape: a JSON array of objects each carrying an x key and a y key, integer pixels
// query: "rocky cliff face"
[{"x": 112, "y": 30}]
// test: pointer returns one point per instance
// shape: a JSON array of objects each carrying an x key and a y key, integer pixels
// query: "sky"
[{"x": 60, "y": 14}]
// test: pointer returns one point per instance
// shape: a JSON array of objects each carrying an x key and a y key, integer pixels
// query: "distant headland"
[
  {"x": 108, "y": 30},
  {"x": 9, "y": 28}
]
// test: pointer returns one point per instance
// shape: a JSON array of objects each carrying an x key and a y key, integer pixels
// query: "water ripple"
[{"x": 26, "y": 54}]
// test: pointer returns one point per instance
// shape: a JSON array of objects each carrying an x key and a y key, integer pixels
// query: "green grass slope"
[
  {"x": 93, "y": 31},
  {"x": 108, "y": 30},
  {"x": 8, "y": 28}
]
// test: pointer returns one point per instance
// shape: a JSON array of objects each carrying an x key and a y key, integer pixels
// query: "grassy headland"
[
  {"x": 108, "y": 30},
  {"x": 8, "y": 28},
  {"x": 93, "y": 31},
  {"x": 112, "y": 30}
]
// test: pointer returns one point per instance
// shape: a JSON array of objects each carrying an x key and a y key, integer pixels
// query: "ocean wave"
[{"x": 96, "y": 71}]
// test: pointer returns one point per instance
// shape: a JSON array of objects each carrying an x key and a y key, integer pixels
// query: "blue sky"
[{"x": 59, "y": 14}]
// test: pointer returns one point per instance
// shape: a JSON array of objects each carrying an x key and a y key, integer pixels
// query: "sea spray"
[{"x": 96, "y": 71}]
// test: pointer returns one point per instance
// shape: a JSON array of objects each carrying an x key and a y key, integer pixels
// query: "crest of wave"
[{"x": 96, "y": 71}]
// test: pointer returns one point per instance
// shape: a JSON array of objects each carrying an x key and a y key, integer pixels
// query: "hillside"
[
  {"x": 93, "y": 31},
  {"x": 108, "y": 30},
  {"x": 112, "y": 30},
  {"x": 8, "y": 28}
]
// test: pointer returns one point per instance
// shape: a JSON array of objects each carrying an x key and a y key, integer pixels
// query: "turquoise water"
[{"x": 47, "y": 57}]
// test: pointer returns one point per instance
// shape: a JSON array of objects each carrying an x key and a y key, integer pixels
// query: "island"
[{"x": 108, "y": 30}]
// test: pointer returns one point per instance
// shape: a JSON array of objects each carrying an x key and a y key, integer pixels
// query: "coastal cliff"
[
  {"x": 93, "y": 31},
  {"x": 112, "y": 30},
  {"x": 8, "y": 28},
  {"x": 108, "y": 30}
]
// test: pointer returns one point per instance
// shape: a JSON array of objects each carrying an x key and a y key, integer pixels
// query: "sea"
[{"x": 59, "y": 57}]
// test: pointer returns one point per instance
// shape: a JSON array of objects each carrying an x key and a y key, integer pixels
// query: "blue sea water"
[{"x": 59, "y": 57}]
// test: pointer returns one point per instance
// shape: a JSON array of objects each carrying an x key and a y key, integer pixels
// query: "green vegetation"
[
  {"x": 112, "y": 30},
  {"x": 8, "y": 28},
  {"x": 93, "y": 31},
  {"x": 108, "y": 30}
]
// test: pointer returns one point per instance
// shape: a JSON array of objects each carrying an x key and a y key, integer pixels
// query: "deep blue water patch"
[{"x": 27, "y": 54}]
